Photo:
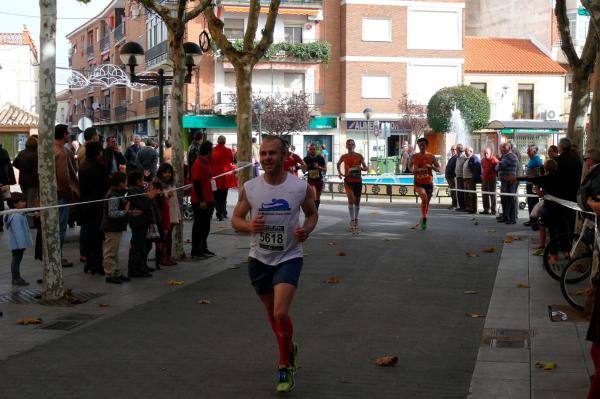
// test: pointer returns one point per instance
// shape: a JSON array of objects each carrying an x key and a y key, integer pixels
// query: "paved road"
[{"x": 401, "y": 293}]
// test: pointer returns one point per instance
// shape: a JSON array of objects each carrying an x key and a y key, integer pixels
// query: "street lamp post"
[
  {"x": 368, "y": 113},
  {"x": 259, "y": 108},
  {"x": 132, "y": 55}
]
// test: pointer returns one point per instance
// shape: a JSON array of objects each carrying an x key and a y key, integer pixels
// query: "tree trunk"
[
  {"x": 243, "y": 75},
  {"x": 53, "y": 278},
  {"x": 177, "y": 104},
  {"x": 580, "y": 100},
  {"x": 593, "y": 139}
]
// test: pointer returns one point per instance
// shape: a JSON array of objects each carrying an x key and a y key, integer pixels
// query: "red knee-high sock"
[
  {"x": 424, "y": 209},
  {"x": 284, "y": 330}
]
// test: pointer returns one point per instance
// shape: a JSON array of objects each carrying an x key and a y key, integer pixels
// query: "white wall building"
[{"x": 19, "y": 70}]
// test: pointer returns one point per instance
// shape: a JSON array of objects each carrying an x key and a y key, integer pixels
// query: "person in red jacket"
[
  {"x": 221, "y": 162},
  {"x": 202, "y": 201}
]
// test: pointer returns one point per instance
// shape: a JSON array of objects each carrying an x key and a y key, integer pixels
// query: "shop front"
[
  {"x": 525, "y": 133},
  {"x": 381, "y": 138}
]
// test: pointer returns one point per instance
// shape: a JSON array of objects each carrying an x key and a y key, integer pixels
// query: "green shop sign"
[{"x": 528, "y": 131}]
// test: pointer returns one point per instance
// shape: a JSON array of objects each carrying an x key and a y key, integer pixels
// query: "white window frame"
[
  {"x": 368, "y": 39},
  {"x": 389, "y": 88},
  {"x": 410, "y": 44}
]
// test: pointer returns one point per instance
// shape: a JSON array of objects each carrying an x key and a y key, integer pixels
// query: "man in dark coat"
[
  {"x": 451, "y": 175},
  {"x": 569, "y": 178},
  {"x": 93, "y": 185},
  {"x": 148, "y": 159},
  {"x": 112, "y": 156}
]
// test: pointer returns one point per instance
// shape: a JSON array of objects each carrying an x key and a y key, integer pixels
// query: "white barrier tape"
[
  {"x": 494, "y": 193},
  {"x": 41, "y": 208}
]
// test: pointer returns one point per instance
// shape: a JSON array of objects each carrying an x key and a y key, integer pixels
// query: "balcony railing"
[
  {"x": 310, "y": 51},
  {"x": 284, "y": 3},
  {"x": 121, "y": 112},
  {"x": 228, "y": 98},
  {"x": 90, "y": 51},
  {"x": 119, "y": 33},
  {"x": 103, "y": 115},
  {"x": 157, "y": 54},
  {"x": 153, "y": 102},
  {"x": 105, "y": 43}
]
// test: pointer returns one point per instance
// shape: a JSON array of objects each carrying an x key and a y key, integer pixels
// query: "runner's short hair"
[
  {"x": 283, "y": 145},
  {"x": 349, "y": 140},
  {"x": 423, "y": 140}
]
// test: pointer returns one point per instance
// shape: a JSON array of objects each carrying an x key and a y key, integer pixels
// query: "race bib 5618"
[{"x": 273, "y": 238}]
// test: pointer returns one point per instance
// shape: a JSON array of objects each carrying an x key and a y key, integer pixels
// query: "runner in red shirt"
[
  {"x": 293, "y": 162},
  {"x": 423, "y": 164},
  {"x": 354, "y": 164}
]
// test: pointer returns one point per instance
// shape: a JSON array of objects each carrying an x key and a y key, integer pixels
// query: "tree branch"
[
  {"x": 162, "y": 11},
  {"x": 250, "y": 35},
  {"x": 565, "y": 34},
  {"x": 194, "y": 12},
  {"x": 215, "y": 27},
  {"x": 267, "y": 32}
]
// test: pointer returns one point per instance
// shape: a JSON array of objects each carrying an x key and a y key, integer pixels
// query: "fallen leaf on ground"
[
  {"x": 332, "y": 280},
  {"x": 522, "y": 285},
  {"x": 490, "y": 231},
  {"x": 471, "y": 292},
  {"x": 331, "y": 243},
  {"x": 103, "y": 305},
  {"x": 546, "y": 366},
  {"x": 175, "y": 282},
  {"x": 29, "y": 320},
  {"x": 387, "y": 361},
  {"x": 387, "y": 239},
  {"x": 375, "y": 213},
  {"x": 340, "y": 253},
  {"x": 471, "y": 254},
  {"x": 474, "y": 315},
  {"x": 305, "y": 254},
  {"x": 232, "y": 267},
  {"x": 489, "y": 250},
  {"x": 204, "y": 302}
]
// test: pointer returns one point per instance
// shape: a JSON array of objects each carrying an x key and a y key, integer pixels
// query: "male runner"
[
  {"x": 316, "y": 165},
  {"x": 274, "y": 200},
  {"x": 354, "y": 163},
  {"x": 423, "y": 163},
  {"x": 293, "y": 162}
]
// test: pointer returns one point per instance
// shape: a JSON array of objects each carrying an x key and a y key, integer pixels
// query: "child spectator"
[
  {"x": 139, "y": 224},
  {"x": 156, "y": 230},
  {"x": 114, "y": 223},
  {"x": 19, "y": 236},
  {"x": 165, "y": 175}
]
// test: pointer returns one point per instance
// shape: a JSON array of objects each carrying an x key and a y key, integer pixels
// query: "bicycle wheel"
[
  {"x": 556, "y": 255},
  {"x": 575, "y": 282}
]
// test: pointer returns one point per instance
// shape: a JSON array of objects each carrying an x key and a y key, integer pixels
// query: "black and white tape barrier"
[{"x": 185, "y": 187}]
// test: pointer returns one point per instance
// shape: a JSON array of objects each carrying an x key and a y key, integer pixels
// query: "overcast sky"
[{"x": 71, "y": 14}]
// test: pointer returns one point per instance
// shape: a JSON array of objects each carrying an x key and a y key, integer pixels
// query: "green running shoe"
[
  {"x": 294, "y": 357},
  {"x": 285, "y": 377},
  {"x": 423, "y": 224}
]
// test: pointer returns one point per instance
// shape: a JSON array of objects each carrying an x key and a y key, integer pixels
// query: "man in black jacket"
[
  {"x": 590, "y": 186},
  {"x": 569, "y": 177},
  {"x": 113, "y": 156},
  {"x": 451, "y": 175}
]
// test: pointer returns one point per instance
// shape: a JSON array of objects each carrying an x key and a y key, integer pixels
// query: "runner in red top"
[
  {"x": 293, "y": 162},
  {"x": 423, "y": 164},
  {"x": 354, "y": 164}
]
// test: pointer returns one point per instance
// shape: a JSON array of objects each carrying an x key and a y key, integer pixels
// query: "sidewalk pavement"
[{"x": 518, "y": 333}]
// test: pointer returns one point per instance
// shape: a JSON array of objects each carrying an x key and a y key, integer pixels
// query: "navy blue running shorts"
[
  {"x": 353, "y": 186},
  {"x": 264, "y": 277},
  {"x": 427, "y": 187}
]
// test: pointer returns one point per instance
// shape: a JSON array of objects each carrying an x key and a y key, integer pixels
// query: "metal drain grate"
[
  {"x": 506, "y": 338},
  {"x": 63, "y": 325},
  {"x": 29, "y": 296},
  {"x": 80, "y": 316}
]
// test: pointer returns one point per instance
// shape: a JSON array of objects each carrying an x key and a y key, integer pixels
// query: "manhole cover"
[
  {"x": 63, "y": 325},
  {"x": 80, "y": 316},
  {"x": 32, "y": 296},
  {"x": 502, "y": 344}
]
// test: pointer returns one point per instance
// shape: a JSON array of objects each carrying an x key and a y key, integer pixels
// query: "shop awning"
[
  {"x": 528, "y": 126},
  {"x": 323, "y": 122},
  {"x": 209, "y": 122},
  {"x": 282, "y": 10}
]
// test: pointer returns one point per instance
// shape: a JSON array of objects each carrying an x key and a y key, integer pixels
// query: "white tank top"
[{"x": 280, "y": 206}]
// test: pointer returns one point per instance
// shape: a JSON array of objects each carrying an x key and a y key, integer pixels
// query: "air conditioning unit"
[
  {"x": 550, "y": 115},
  {"x": 318, "y": 17}
]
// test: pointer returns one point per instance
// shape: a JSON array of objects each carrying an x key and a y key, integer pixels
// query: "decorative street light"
[
  {"x": 259, "y": 108},
  {"x": 132, "y": 55},
  {"x": 368, "y": 113}
]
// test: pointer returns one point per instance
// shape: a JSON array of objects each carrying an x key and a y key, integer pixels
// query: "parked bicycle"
[
  {"x": 562, "y": 249},
  {"x": 575, "y": 281}
]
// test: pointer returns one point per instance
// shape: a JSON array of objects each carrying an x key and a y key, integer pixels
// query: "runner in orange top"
[
  {"x": 354, "y": 164},
  {"x": 423, "y": 164}
]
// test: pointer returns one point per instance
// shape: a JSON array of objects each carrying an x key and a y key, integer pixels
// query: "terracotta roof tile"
[
  {"x": 13, "y": 116},
  {"x": 12, "y": 38},
  {"x": 507, "y": 56}
]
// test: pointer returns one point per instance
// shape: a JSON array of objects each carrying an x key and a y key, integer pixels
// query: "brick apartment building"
[{"x": 380, "y": 50}]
